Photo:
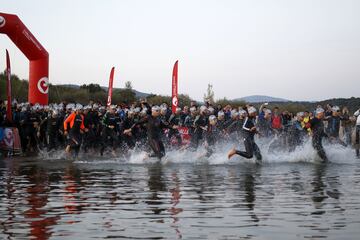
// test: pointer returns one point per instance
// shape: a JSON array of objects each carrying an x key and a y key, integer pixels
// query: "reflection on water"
[{"x": 56, "y": 199}]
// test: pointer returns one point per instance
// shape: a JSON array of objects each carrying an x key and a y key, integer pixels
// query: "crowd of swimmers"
[{"x": 96, "y": 129}]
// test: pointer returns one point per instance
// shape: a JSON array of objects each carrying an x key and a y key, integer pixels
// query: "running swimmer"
[
  {"x": 110, "y": 130},
  {"x": 249, "y": 132},
  {"x": 357, "y": 132},
  {"x": 154, "y": 127},
  {"x": 317, "y": 128},
  {"x": 211, "y": 135},
  {"x": 76, "y": 123}
]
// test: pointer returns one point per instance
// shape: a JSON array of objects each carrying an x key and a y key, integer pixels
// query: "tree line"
[{"x": 96, "y": 93}]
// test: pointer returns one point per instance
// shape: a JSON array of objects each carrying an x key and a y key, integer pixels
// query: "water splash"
[{"x": 303, "y": 153}]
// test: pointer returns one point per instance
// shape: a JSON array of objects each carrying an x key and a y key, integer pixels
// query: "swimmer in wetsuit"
[
  {"x": 250, "y": 130},
  {"x": 154, "y": 127},
  {"x": 317, "y": 128}
]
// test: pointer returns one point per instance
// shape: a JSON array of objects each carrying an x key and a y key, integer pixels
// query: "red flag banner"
[
  {"x": 174, "y": 95},
  {"x": 8, "y": 87},
  {"x": 110, "y": 90}
]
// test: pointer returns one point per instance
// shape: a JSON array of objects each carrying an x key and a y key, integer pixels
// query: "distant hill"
[
  {"x": 73, "y": 93},
  {"x": 137, "y": 93},
  {"x": 260, "y": 99}
]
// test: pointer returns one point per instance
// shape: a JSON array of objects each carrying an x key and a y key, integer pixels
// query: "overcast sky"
[{"x": 299, "y": 50}]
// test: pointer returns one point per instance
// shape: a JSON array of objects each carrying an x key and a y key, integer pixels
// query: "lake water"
[{"x": 287, "y": 197}]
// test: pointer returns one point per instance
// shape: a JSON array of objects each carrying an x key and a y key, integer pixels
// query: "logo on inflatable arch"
[
  {"x": 175, "y": 101},
  {"x": 2, "y": 21},
  {"x": 43, "y": 85}
]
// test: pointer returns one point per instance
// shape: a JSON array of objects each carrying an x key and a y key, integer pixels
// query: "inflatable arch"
[{"x": 12, "y": 26}]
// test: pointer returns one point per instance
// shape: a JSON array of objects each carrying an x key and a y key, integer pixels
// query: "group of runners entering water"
[{"x": 96, "y": 129}]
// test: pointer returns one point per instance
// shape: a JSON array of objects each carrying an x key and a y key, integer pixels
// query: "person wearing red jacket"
[
  {"x": 76, "y": 123},
  {"x": 276, "y": 121}
]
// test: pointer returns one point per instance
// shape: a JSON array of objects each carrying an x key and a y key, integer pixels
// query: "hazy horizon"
[{"x": 297, "y": 50}]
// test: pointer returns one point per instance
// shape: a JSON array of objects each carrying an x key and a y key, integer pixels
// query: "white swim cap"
[
  {"x": 192, "y": 109},
  {"x": 335, "y": 108},
  {"x": 155, "y": 109},
  {"x": 300, "y": 114},
  {"x": 242, "y": 113},
  {"x": 234, "y": 113},
  {"x": 203, "y": 108},
  {"x": 70, "y": 106},
  {"x": 319, "y": 110},
  {"x": 251, "y": 110},
  {"x": 87, "y": 107},
  {"x": 79, "y": 106},
  {"x": 212, "y": 118},
  {"x": 268, "y": 111}
]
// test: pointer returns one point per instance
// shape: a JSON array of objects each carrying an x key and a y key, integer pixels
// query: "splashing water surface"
[{"x": 185, "y": 195}]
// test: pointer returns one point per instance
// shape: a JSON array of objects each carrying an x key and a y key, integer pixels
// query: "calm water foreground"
[{"x": 62, "y": 199}]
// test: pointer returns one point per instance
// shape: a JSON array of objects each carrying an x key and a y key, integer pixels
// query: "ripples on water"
[{"x": 185, "y": 196}]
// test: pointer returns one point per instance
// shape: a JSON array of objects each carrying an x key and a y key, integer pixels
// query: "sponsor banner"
[
  {"x": 8, "y": 88},
  {"x": 174, "y": 88},
  {"x": 110, "y": 89},
  {"x": 184, "y": 133},
  {"x": 10, "y": 140},
  {"x": 185, "y": 136}
]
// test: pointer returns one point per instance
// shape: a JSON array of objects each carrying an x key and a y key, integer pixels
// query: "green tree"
[
  {"x": 209, "y": 95},
  {"x": 184, "y": 100},
  {"x": 92, "y": 88},
  {"x": 128, "y": 85},
  {"x": 124, "y": 96},
  {"x": 223, "y": 102},
  {"x": 19, "y": 87}
]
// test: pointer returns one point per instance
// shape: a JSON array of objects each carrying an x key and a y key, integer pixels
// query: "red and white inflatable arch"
[{"x": 12, "y": 26}]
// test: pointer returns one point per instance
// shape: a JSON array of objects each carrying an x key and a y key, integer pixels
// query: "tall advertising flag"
[
  {"x": 174, "y": 96},
  {"x": 110, "y": 90},
  {"x": 8, "y": 87}
]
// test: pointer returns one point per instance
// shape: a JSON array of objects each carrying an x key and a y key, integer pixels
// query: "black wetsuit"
[
  {"x": 211, "y": 135},
  {"x": 53, "y": 126},
  {"x": 154, "y": 128},
  {"x": 357, "y": 139},
  {"x": 221, "y": 124},
  {"x": 22, "y": 130},
  {"x": 251, "y": 148},
  {"x": 128, "y": 139},
  {"x": 189, "y": 123},
  {"x": 109, "y": 132},
  {"x": 317, "y": 127},
  {"x": 43, "y": 129},
  {"x": 235, "y": 128},
  {"x": 183, "y": 117},
  {"x": 199, "y": 124},
  {"x": 175, "y": 120},
  {"x": 286, "y": 121},
  {"x": 30, "y": 130},
  {"x": 75, "y": 134},
  {"x": 89, "y": 139},
  {"x": 296, "y": 135}
]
